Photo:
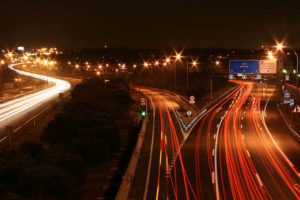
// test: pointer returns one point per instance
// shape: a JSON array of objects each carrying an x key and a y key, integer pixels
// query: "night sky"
[{"x": 148, "y": 24}]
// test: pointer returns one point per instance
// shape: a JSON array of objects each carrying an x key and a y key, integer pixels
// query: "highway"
[
  {"x": 239, "y": 150},
  {"x": 16, "y": 111}
]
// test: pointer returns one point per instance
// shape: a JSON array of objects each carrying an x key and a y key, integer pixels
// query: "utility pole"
[
  {"x": 187, "y": 75},
  {"x": 297, "y": 95},
  {"x": 175, "y": 77},
  {"x": 211, "y": 87},
  {"x": 1, "y": 82}
]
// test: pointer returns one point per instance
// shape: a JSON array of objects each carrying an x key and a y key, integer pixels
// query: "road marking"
[
  {"x": 213, "y": 177},
  {"x": 248, "y": 153},
  {"x": 151, "y": 152},
  {"x": 216, "y": 160},
  {"x": 213, "y": 152},
  {"x": 259, "y": 180}
]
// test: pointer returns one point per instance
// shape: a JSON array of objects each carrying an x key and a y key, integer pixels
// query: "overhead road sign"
[
  {"x": 244, "y": 77},
  {"x": 267, "y": 66},
  {"x": 244, "y": 66}
]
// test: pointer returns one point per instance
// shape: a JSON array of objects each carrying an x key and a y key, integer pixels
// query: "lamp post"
[
  {"x": 177, "y": 58},
  {"x": 2, "y": 63},
  {"x": 146, "y": 65},
  {"x": 163, "y": 75},
  {"x": 194, "y": 64}
]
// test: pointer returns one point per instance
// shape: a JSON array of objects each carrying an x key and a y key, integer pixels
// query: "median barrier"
[{"x": 127, "y": 179}]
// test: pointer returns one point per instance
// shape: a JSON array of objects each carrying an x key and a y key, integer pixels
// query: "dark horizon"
[{"x": 147, "y": 24}]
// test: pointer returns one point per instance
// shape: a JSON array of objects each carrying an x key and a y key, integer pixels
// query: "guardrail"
[
  {"x": 12, "y": 133},
  {"x": 26, "y": 93},
  {"x": 125, "y": 186},
  {"x": 203, "y": 111},
  {"x": 291, "y": 130}
]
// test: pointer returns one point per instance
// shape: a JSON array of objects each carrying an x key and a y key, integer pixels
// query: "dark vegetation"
[{"x": 86, "y": 133}]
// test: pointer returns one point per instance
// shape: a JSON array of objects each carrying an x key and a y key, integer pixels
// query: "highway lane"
[
  {"x": 159, "y": 148},
  {"x": 232, "y": 154},
  {"x": 16, "y": 111}
]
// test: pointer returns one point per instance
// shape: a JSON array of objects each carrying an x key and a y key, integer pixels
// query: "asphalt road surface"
[
  {"x": 16, "y": 111},
  {"x": 239, "y": 150}
]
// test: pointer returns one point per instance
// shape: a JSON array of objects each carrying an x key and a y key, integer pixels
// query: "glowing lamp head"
[
  {"x": 279, "y": 46},
  {"x": 178, "y": 56}
]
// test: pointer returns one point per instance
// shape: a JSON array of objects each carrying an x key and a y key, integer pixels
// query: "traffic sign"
[
  {"x": 296, "y": 109},
  {"x": 143, "y": 101},
  {"x": 231, "y": 77},
  {"x": 258, "y": 76},
  {"x": 244, "y": 66},
  {"x": 244, "y": 77},
  {"x": 192, "y": 99},
  {"x": 286, "y": 99},
  {"x": 287, "y": 77},
  {"x": 189, "y": 113},
  {"x": 292, "y": 102},
  {"x": 287, "y": 94},
  {"x": 267, "y": 66}
]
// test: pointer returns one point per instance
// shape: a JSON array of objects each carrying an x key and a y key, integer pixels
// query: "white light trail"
[{"x": 13, "y": 107}]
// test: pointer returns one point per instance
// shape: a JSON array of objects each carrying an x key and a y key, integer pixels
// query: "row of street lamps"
[{"x": 178, "y": 58}]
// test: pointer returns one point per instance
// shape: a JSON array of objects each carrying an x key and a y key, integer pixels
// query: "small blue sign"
[
  {"x": 231, "y": 77},
  {"x": 292, "y": 103},
  {"x": 258, "y": 76},
  {"x": 244, "y": 66},
  {"x": 286, "y": 99},
  {"x": 244, "y": 77}
]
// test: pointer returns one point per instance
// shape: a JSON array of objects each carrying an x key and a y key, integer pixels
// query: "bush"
[
  {"x": 45, "y": 181},
  {"x": 91, "y": 149}
]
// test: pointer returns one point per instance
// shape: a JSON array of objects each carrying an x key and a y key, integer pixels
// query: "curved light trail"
[
  {"x": 231, "y": 155},
  {"x": 11, "y": 108}
]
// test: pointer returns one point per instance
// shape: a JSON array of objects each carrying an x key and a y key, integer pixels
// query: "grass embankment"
[{"x": 81, "y": 140}]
